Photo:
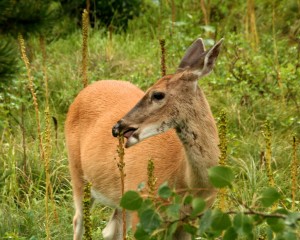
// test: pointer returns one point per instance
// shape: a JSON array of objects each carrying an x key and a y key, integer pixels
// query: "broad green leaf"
[
  {"x": 276, "y": 224},
  {"x": 289, "y": 235},
  {"x": 242, "y": 224},
  {"x": 220, "y": 221},
  {"x": 172, "y": 211},
  {"x": 187, "y": 199},
  {"x": 205, "y": 221},
  {"x": 164, "y": 191},
  {"x": 230, "y": 234},
  {"x": 189, "y": 229},
  {"x": 198, "y": 205},
  {"x": 140, "y": 233},
  {"x": 150, "y": 220},
  {"x": 131, "y": 200},
  {"x": 220, "y": 176},
  {"x": 292, "y": 218},
  {"x": 269, "y": 196},
  {"x": 171, "y": 230}
]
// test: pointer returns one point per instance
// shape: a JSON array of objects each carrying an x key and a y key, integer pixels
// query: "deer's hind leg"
[
  {"x": 77, "y": 181},
  {"x": 114, "y": 228}
]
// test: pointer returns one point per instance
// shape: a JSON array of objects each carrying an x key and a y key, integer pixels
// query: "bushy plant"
[{"x": 161, "y": 216}]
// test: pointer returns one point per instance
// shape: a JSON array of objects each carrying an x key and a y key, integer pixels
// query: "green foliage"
[
  {"x": 109, "y": 13},
  {"x": 269, "y": 196},
  {"x": 131, "y": 200},
  {"x": 27, "y": 17},
  {"x": 164, "y": 216},
  {"x": 8, "y": 62},
  {"x": 220, "y": 176}
]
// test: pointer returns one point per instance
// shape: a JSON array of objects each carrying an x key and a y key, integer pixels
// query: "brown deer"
[{"x": 173, "y": 112}]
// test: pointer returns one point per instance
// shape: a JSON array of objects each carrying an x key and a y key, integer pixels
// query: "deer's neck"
[{"x": 198, "y": 134}]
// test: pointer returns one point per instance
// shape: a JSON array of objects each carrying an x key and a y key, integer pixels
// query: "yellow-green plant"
[
  {"x": 36, "y": 107},
  {"x": 277, "y": 65},
  {"x": 294, "y": 172},
  {"x": 250, "y": 25},
  {"x": 162, "y": 43},
  {"x": 268, "y": 152},
  {"x": 222, "y": 127},
  {"x": 151, "y": 178},
  {"x": 49, "y": 188},
  {"x": 205, "y": 8},
  {"x": 85, "y": 28},
  {"x": 121, "y": 166},
  {"x": 86, "y": 212}
]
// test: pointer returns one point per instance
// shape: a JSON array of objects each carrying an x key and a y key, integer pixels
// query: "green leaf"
[
  {"x": 292, "y": 218},
  {"x": 164, "y": 191},
  {"x": 198, "y": 205},
  {"x": 205, "y": 221},
  {"x": 276, "y": 224},
  {"x": 131, "y": 200},
  {"x": 189, "y": 229},
  {"x": 140, "y": 233},
  {"x": 230, "y": 234},
  {"x": 188, "y": 199},
  {"x": 220, "y": 221},
  {"x": 269, "y": 197},
  {"x": 220, "y": 176},
  {"x": 172, "y": 211},
  {"x": 242, "y": 224},
  {"x": 289, "y": 235},
  {"x": 171, "y": 230},
  {"x": 149, "y": 220}
]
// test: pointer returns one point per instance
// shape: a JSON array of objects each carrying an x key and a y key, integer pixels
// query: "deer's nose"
[{"x": 117, "y": 128}]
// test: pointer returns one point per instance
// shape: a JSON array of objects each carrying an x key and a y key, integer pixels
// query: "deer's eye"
[{"x": 158, "y": 96}]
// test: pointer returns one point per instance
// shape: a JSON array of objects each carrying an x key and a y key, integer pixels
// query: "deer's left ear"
[{"x": 210, "y": 59}]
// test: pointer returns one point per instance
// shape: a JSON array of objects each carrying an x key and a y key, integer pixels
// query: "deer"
[{"x": 171, "y": 123}]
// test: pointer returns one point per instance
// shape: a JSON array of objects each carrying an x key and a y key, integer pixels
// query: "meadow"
[{"x": 255, "y": 82}]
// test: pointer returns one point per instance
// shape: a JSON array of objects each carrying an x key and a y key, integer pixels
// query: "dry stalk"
[
  {"x": 162, "y": 43},
  {"x": 251, "y": 31},
  {"x": 121, "y": 166},
  {"x": 173, "y": 15},
  {"x": 86, "y": 212},
  {"x": 36, "y": 107},
  {"x": 277, "y": 65},
  {"x": 205, "y": 7},
  {"x": 223, "y": 156},
  {"x": 85, "y": 28},
  {"x": 25, "y": 169},
  {"x": 294, "y": 172},
  {"x": 88, "y": 5},
  {"x": 49, "y": 188}
]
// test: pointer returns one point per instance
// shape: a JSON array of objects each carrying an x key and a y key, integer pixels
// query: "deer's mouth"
[
  {"x": 129, "y": 132},
  {"x": 132, "y": 137}
]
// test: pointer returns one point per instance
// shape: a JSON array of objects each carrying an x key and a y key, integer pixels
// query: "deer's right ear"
[{"x": 192, "y": 54}]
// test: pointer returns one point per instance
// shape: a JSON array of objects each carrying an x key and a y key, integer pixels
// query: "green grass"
[{"x": 135, "y": 56}]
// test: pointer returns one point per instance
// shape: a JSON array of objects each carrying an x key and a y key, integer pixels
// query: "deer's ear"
[
  {"x": 202, "y": 62},
  {"x": 192, "y": 54},
  {"x": 210, "y": 58}
]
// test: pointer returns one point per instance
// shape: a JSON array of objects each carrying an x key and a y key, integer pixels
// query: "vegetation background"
[{"x": 256, "y": 82}]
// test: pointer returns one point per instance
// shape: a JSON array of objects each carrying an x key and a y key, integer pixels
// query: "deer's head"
[{"x": 164, "y": 104}]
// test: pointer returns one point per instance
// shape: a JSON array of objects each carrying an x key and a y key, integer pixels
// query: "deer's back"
[{"x": 89, "y": 132}]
